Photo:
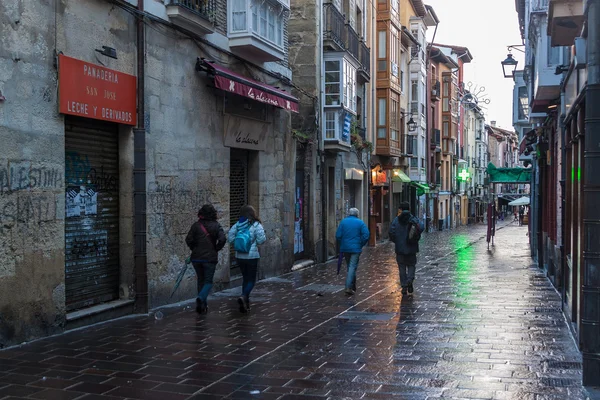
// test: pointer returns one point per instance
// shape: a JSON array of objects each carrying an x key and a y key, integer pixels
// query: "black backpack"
[{"x": 414, "y": 233}]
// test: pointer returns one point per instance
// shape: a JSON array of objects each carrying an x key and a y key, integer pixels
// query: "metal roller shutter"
[
  {"x": 238, "y": 194},
  {"x": 92, "y": 212}
]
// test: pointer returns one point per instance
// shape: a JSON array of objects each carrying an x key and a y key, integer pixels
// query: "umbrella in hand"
[
  {"x": 181, "y": 274},
  {"x": 340, "y": 259}
]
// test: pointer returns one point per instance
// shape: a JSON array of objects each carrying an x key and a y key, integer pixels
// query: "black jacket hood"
[{"x": 404, "y": 217}]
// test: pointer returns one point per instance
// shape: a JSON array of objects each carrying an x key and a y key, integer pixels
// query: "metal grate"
[
  {"x": 238, "y": 194},
  {"x": 92, "y": 213}
]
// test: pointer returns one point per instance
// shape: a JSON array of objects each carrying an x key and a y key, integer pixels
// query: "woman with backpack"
[
  {"x": 205, "y": 239},
  {"x": 246, "y": 235}
]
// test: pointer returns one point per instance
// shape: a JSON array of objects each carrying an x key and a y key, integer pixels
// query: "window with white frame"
[
  {"x": 264, "y": 19},
  {"x": 349, "y": 86},
  {"x": 331, "y": 124},
  {"x": 332, "y": 82},
  {"x": 340, "y": 84}
]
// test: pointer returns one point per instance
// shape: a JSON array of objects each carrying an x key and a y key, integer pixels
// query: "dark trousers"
[
  {"x": 407, "y": 267},
  {"x": 205, "y": 273},
  {"x": 249, "y": 268}
]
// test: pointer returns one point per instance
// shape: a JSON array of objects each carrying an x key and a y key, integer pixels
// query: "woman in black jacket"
[{"x": 205, "y": 238}]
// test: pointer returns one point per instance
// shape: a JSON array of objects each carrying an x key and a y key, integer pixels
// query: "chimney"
[{"x": 493, "y": 123}]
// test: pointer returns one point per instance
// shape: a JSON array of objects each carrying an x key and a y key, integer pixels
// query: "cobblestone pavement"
[{"x": 480, "y": 325}]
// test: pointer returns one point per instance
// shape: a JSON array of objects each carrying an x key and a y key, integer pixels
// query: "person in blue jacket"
[{"x": 352, "y": 234}]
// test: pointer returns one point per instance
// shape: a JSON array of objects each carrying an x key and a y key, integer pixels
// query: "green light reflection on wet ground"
[{"x": 464, "y": 267}]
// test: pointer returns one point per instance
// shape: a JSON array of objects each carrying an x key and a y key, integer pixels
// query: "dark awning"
[{"x": 229, "y": 81}]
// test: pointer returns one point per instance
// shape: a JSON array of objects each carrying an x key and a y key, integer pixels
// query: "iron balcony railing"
[
  {"x": 204, "y": 8},
  {"x": 344, "y": 36},
  {"x": 334, "y": 25},
  {"x": 365, "y": 57},
  {"x": 414, "y": 108},
  {"x": 352, "y": 41},
  {"x": 362, "y": 132},
  {"x": 435, "y": 89},
  {"x": 436, "y": 137}
]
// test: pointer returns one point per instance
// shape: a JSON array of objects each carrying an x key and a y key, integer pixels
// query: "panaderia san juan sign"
[{"x": 91, "y": 91}]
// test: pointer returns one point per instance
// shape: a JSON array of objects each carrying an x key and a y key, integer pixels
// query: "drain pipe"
[
  {"x": 590, "y": 287},
  {"x": 320, "y": 139},
  {"x": 139, "y": 177}
]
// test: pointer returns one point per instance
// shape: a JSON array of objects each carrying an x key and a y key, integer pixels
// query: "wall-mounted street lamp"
[
  {"x": 509, "y": 66},
  {"x": 412, "y": 125}
]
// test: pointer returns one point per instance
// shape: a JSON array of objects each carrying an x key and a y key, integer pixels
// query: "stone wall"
[
  {"x": 188, "y": 165},
  {"x": 32, "y": 161}
]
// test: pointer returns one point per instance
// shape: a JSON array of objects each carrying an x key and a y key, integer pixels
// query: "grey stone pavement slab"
[{"x": 482, "y": 324}]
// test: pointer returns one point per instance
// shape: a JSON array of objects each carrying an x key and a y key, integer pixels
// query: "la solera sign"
[{"x": 90, "y": 91}]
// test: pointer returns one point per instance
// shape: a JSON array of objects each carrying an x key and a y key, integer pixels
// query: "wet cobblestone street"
[{"x": 480, "y": 325}]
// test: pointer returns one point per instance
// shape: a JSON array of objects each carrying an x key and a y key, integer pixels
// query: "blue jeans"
[
  {"x": 205, "y": 273},
  {"x": 351, "y": 266},
  {"x": 249, "y": 269}
]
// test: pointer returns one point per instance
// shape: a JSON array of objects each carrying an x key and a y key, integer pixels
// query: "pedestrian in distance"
[
  {"x": 246, "y": 235},
  {"x": 352, "y": 235},
  {"x": 205, "y": 239},
  {"x": 405, "y": 233}
]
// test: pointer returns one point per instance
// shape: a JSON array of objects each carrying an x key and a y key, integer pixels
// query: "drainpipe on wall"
[
  {"x": 590, "y": 290},
  {"x": 321, "y": 152},
  {"x": 563, "y": 196},
  {"x": 139, "y": 178}
]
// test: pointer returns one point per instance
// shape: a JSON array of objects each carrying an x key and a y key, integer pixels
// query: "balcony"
[
  {"x": 333, "y": 37},
  {"x": 565, "y": 20},
  {"x": 194, "y": 15},
  {"x": 436, "y": 139},
  {"x": 435, "y": 90},
  {"x": 365, "y": 61},
  {"x": 340, "y": 36}
]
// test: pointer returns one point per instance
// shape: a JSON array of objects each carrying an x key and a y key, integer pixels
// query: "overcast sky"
[{"x": 486, "y": 27}]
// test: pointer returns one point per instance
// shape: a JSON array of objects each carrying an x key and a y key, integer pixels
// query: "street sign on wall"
[{"x": 91, "y": 91}]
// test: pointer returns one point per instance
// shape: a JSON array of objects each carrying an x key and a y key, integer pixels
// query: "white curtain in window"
[{"x": 238, "y": 15}]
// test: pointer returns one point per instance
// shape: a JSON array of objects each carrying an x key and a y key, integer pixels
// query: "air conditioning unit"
[{"x": 434, "y": 92}]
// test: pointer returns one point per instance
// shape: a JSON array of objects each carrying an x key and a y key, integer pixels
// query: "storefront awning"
[
  {"x": 508, "y": 175},
  {"x": 229, "y": 81},
  {"x": 422, "y": 188},
  {"x": 399, "y": 176}
]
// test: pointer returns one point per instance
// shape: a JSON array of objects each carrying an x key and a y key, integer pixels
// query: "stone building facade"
[{"x": 95, "y": 203}]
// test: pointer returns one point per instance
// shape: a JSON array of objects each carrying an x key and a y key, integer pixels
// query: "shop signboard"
[{"x": 91, "y": 91}]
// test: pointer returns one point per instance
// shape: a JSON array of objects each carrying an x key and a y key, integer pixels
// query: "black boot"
[{"x": 242, "y": 305}]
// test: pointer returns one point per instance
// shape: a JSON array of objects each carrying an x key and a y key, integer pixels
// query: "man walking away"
[
  {"x": 352, "y": 234},
  {"x": 405, "y": 232}
]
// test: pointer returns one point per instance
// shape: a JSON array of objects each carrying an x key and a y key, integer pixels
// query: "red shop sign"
[{"x": 88, "y": 90}]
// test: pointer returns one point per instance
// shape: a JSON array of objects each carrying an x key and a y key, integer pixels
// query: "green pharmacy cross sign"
[{"x": 464, "y": 175}]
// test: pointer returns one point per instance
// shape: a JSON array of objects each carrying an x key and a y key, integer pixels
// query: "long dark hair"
[
  {"x": 249, "y": 213},
  {"x": 207, "y": 212}
]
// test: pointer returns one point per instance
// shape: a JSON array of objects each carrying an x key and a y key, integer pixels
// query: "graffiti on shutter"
[{"x": 92, "y": 212}]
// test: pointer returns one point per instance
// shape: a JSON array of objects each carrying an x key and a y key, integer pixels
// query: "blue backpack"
[{"x": 243, "y": 240}]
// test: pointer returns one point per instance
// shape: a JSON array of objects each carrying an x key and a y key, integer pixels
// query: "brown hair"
[{"x": 249, "y": 213}]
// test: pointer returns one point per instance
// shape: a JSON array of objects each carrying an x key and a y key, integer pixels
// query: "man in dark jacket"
[
  {"x": 406, "y": 251},
  {"x": 352, "y": 235},
  {"x": 205, "y": 239}
]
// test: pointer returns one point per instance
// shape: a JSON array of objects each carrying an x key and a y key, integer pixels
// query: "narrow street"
[{"x": 480, "y": 325}]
